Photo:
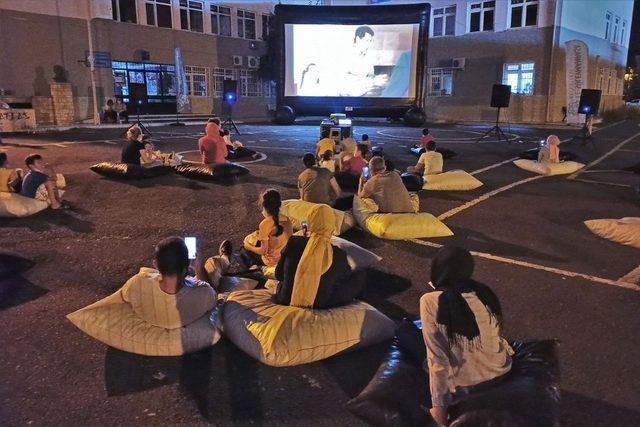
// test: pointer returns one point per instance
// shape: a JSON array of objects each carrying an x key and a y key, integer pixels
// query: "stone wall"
[
  {"x": 63, "y": 105},
  {"x": 43, "y": 105}
]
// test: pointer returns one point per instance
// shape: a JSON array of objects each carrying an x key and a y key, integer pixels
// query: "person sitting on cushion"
[
  {"x": 41, "y": 173},
  {"x": 550, "y": 152},
  {"x": 461, "y": 327},
  {"x": 429, "y": 163},
  {"x": 132, "y": 150},
  {"x": 425, "y": 139},
  {"x": 366, "y": 141},
  {"x": 10, "y": 179},
  {"x": 263, "y": 247},
  {"x": 316, "y": 184},
  {"x": 327, "y": 161},
  {"x": 355, "y": 163},
  {"x": 385, "y": 188},
  {"x": 325, "y": 144},
  {"x": 348, "y": 147},
  {"x": 213, "y": 149},
  {"x": 312, "y": 273}
]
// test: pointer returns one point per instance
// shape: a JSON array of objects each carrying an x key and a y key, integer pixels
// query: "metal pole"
[{"x": 96, "y": 112}]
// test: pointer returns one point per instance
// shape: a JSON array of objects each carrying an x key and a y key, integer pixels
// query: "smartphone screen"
[
  {"x": 365, "y": 172},
  {"x": 192, "y": 244}
]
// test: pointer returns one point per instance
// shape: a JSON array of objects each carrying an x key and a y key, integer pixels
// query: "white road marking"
[
  {"x": 604, "y": 156},
  {"x": 628, "y": 150},
  {"x": 263, "y": 140},
  {"x": 632, "y": 277},
  {"x": 262, "y": 157},
  {"x": 620, "y": 282},
  {"x": 592, "y": 181},
  {"x": 61, "y": 145},
  {"x": 495, "y": 165},
  {"x": 486, "y": 196}
]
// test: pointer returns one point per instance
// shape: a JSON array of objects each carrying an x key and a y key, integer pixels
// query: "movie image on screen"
[{"x": 376, "y": 61}]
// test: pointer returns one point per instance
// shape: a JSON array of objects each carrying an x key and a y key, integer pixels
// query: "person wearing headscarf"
[
  {"x": 461, "y": 327},
  {"x": 550, "y": 153},
  {"x": 212, "y": 146},
  {"x": 312, "y": 273}
]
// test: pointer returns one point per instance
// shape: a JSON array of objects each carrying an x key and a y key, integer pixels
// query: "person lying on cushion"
[
  {"x": 385, "y": 188},
  {"x": 325, "y": 144},
  {"x": 263, "y": 247},
  {"x": 429, "y": 163},
  {"x": 317, "y": 184},
  {"x": 10, "y": 179},
  {"x": 235, "y": 149},
  {"x": 312, "y": 273},
  {"x": 132, "y": 150},
  {"x": 213, "y": 149},
  {"x": 354, "y": 164},
  {"x": 461, "y": 327},
  {"x": 550, "y": 152},
  {"x": 41, "y": 173}
]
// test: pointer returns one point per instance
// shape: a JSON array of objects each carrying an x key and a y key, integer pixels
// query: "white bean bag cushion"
[
  {"x": 358, "y": 257},
  {"x": 280, "y": 335},
  {"x": 397, "y": 226},
  {"x": 140, "y": 318},
  {"x": 298, "y": 212},
  {"x": 13, "y": 205},
  {"x": 456, "y": 180},
  {"x": 544, "y": 168},
  {"x": 625, "y": 230}
]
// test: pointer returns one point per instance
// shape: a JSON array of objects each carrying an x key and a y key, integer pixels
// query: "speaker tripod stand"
[
  {"x": 585, "y": 133},
  {"x": 228, "y": 122},
  {"x": 496, "y": 130},
  {"x": 138, "y": 123}
]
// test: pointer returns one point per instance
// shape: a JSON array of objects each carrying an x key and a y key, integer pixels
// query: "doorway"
[{"x": 151, "y": 88}]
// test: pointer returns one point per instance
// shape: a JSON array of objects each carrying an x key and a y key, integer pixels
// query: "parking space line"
[
  {"x": 455, "y": 211},
  {"x": 604, "y": 156},
  {"x": 620, "y": 282},
  {"x": 592, "y": 181},
  {"x": 495, "y": 165},
  {"x": 632, "y": 277}
]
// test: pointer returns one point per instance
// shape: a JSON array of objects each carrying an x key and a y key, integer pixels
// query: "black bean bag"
[
  {"x": 240, "y": 153},
  {"x": 211, "y": 172},
  {"x": 128, "y": 170},
  {"x": 347, "y": 181},
  {"x": 446, "y": 153},
  {"x": 377, "y": 151},
  {"x": 565, "y": 156},
  {"x": 412, "y": 181},
  {"x": 398, "y": 394}
]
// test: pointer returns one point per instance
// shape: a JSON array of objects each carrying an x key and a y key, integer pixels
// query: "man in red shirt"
[
  {"x": 212, "y": 146},
  {"x": 355, "y": 163}
]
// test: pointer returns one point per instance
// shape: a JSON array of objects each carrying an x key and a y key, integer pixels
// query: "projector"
[{"x": 336, "y": 117}]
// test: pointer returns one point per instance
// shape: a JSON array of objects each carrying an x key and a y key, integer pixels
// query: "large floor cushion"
[
  {"x": 13, "y": 205},
  {"x": 279, "y": 335},
  {"x": 397, "y": 226},
  {"x": 210, "y": 172},
  {"x": 625, "y": 230},
  {"x": 298, "y": 212},
  {"x": 544, "y": 168},
  {"x": 412, "y": 182},
  {"x": 358, "y": 257},
  {"x": 128, "y": 170},
  {"x": 128, "y": 326},
  {"x": 455, "y": 180},
  {"x": 532, "y": 154}
]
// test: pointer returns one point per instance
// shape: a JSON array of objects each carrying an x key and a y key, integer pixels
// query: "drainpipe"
[
  {"x": 554, "y": 41},
  {"x": 96, "y": 113}
]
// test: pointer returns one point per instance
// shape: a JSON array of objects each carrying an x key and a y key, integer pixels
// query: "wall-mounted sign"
[
  {"x": 100, "y": 59},
  {"x": 16, "y": 119}
]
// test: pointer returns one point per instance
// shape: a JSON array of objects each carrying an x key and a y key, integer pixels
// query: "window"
[
  {"x": 623, "y": 32},
  {"x": 481, "y": 16},
  {"x": 246, "y": 24},
  {"x": 269, "y": 90},
  {"x": 444, "y": 21},
  {"x": 191, "y": 15},
  {"x": 519, "y": 77},
  {"x": 524, "y": 13},
  {"x": 440, "y": 82},
  {"x": 159, "y": 13},
  {"x": 616, "y": 24},
  {"x": 124, "y": 11},
  {"x": 221, "y": 20},
  {"x": 250, "y": 85},
  {"x": 219, "y": 75},
  {"x": 607, "y": 26},
  {"x": 197, "y": 80},
  {"x": 266, "y": 22}
]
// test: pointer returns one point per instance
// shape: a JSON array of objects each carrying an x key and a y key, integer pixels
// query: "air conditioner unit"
[
  {"x": 458, "y": 63},
  {"x": 237, "y": 60},
  {"x": 253, "y": 61}
]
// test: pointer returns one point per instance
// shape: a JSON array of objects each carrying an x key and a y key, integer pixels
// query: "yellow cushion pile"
[
  {"x": 13, "y": 205},
  {"x": 140, "y": 318},
  {"x": 298, "y": 212},
  {"x": 280, "y": 335},
  {"x": 397, "y": 226},
  {"x": 625, "y": 231},
  {"x": 456, "y": 180},
  {"x": 545, "y": 168}
]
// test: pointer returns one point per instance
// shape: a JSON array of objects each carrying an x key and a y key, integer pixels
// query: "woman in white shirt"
[{"x": 461, "y": 325}]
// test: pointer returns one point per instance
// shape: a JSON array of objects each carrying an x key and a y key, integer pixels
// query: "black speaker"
[
  {"x": 589, "y": 101},
  {"x": 500, "y": 96},
  {"x": 230, "y": 91}
]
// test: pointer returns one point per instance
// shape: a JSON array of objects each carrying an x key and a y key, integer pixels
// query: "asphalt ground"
[{"x": 555, "y": 279}]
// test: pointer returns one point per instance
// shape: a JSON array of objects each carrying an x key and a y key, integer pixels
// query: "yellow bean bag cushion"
[
  {"x": 216, "y": 267},
  {"x": 397, "y": 226},
  {"x": 280, "y": 335},
  {"x": 13, "y": 205},
  {"x": 456, "y": 180},
  {"x": 625, "y": 230},
  {"x": 140, "y": 318},
  {"x": 298, "y": 211},
  {"x": 544, "y": 168}
]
